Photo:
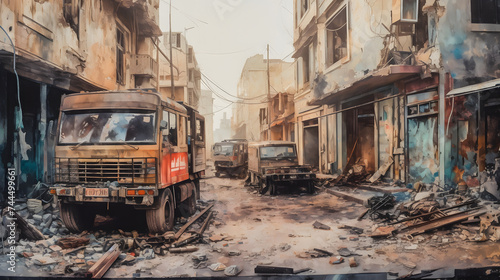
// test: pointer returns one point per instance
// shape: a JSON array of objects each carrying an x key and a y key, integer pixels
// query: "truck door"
[{"x": 198, "y": 143}]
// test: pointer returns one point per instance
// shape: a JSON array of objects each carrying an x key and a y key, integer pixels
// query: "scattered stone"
[
  {"x": 445, "y": 240},
  {"x": 37, "y": 218},
  {"x": 344, "y": 252},
  {"x": 412, "y": 247},
  {"x": 284, "y": 247},
  {"x": 353, "y": 238},
  {"x": 129, "y": 260},
  {"x": 27, "y": 254},
  {"x": 336, "y": 260},
  {"x": 79, "y": 261},
  {"x": 148, "y": 253},
  {"x": 55, "y": 248},
  {"x": 199, "y": 257},
  {"x": 216, "y": 238},
  {"x": 232, "y": 270},
  {"x": 341, "y": 237},
  {"x": 34, "y": 205},
  {"x": 233, "y": 253},
  {"x": 319, "y": 225},
  {"x": 352, "y": 262},
  {"x": 217, "y": 267},
  {"x": 38, "y": 259},
  {"x": 43, "y": 243},
  {"x": 80, "y": 256}
]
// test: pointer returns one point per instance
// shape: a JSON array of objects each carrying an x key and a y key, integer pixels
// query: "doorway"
[{"x": 311, "y": 143}]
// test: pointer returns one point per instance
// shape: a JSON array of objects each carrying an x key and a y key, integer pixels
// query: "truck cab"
[
  {"x": 231, "y": 158},
  {"x": 274, "y": 164},
  {"x": 127, "y": 150}
]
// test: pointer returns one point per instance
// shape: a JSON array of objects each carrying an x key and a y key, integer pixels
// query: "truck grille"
[{"x": 126, "y": 171}]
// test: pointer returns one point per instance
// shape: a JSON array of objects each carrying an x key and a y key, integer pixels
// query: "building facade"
[
  {"x": 250, "y": 113},
  {"x": 187, "y": 75},
  {"x": 224, "y": 131},
  {"x": 206, "y": 109},
  {"x": 374, "y": 82},
  {"x": 63, "y": 47}
]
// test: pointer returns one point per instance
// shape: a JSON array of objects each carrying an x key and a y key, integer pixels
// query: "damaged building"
[
  {"x": 187, "y": 74},
  {"x": 62, "y": 47},
  {"x": 250, "y": 114},
  {"x": 408, "y": 84}
]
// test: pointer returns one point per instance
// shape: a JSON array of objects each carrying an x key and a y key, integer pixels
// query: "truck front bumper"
[
  {"x": 141, "y": 196},
  {"x": 291, "y": 177}
]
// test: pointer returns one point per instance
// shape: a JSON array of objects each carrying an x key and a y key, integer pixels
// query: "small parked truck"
[
  {"x": 123, "y": 151},
  {"x": 231, "y": 158},
  {"x": 274, "y": 164}
]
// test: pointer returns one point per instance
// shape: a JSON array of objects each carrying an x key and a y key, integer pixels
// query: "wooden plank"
[
  {"x": 205, "y": 224},
  {"x": 382, "y": 170},
  {"x": 443, "y": 222},
  {"x": 191, "y": 221},
  {"x": 347, "y": 166},
  {"x": 27, "y": 229},
  {"x": 104, "y": 263},
  {"x": 273, "y": 269}
]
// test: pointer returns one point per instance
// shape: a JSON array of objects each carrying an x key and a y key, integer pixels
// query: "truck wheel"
[
  {"x": 243, "y": 174},
  {"x": 310, "y": 188},
  {"x": 162, "y": 219},
  {"x": 191, "y": 203},
  {"x": 263, "y": 187},
  {"x": 272, "y": 188},
  {"x": 76, "y": 217}
]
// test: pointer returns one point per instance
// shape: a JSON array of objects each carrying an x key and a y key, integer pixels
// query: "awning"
[
  {"x": 474, "y": 88},
  {"x": 369, "y": 82},
  {"x": 280, "y": 120}
]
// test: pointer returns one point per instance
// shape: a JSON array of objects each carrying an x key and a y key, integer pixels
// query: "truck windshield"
[
  {"x": 223, "y": 150},
  {"x": 107, "y": 127},
  {"x": 277, "y": 152}
]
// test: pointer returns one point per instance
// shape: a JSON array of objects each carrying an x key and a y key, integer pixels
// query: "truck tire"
[
  {"x": 310, "y": 187},
  {"x": 272, "y": 188},
  {"x": 162, "y": 219},
  {"x": 77, "y": 218},
  {"x": 243, "y": 174},
  {"x": 262, "y": 186}
]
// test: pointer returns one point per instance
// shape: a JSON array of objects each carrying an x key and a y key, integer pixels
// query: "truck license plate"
[{"x": 95, "y": 192}]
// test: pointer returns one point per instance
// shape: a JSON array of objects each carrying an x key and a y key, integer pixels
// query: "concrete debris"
[
  {"x": 352, "y": 262},
  {"x": 319, "y": 225},
  {"x": 40, "y": 259},
  {"x": 284, "y": 247},
  {"x": 217, "y": 267},
  {"x": 34, "y": 206},
  {"x": 336, "y": 260},
  {"x": 232, "y": 270}
]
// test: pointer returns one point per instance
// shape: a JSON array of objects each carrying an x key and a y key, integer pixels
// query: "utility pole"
[
  {"x": 268, "y": 98},
  {"x": 171, "y": 56}
]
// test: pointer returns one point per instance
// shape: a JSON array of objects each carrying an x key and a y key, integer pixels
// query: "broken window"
[
  {"x": 200, "y": 130},
  {"x": 337, "y": 41},
  {"x": 107, "y": 127},
  {"x": 120, "y": 56},
  {"x": 190, "y": 55},
  {"x": 170, "y": 132},
  {"x": 71, "y": 13},
  {"x": 485, "y": 11}
]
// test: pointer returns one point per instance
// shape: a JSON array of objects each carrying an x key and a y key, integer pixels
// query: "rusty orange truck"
[{"x": 126, "y": 150}]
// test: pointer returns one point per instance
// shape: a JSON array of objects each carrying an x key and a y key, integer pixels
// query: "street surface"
[{"x": 250, "y": 229}]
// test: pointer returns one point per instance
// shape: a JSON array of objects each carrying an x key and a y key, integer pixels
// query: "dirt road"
[{"x": 278, "y": 231}]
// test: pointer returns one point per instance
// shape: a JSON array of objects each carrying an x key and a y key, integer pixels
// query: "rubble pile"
[{"x": 92, "y": 253}]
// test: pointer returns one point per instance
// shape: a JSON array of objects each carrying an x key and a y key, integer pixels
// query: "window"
[
  {"x": 190, "y": 55},
  {"x": 120, "y": 56},
  {"x": 423, "y": 103},
  {"x": 170, "y": 132},
  {"x": 71, "y": 13},
  {"x": 306, "y": 65},
  {"x": 303, "y": 6},
  {"x": 200, "y": 130},
  {"x": 336, "y": 36},
  {"x": 485, "y": 11},
  {"x": 178, "y": 40}
]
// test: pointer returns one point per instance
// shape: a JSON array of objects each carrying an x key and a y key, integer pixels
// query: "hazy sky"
[{"x": 227, "y": 32}]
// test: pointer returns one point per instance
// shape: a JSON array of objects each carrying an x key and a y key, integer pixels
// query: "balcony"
[{"x": 143, "y": 65}]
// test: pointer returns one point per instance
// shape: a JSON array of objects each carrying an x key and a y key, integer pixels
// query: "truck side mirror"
[{"x": 163, "y": 125}]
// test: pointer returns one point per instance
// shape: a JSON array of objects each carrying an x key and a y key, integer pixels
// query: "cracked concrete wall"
[{"x": 41, "y": 31}]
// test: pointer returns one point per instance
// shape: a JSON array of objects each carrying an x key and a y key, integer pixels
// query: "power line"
[{"x": 244, "y": 98}]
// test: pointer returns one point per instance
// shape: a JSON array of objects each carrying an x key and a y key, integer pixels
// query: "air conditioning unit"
[{"x": 404, "y": 11}]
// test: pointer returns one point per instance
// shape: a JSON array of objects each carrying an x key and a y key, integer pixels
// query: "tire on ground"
[
  {"x": 162, "y": 219},
  {"x": 77, "y": 218}
]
